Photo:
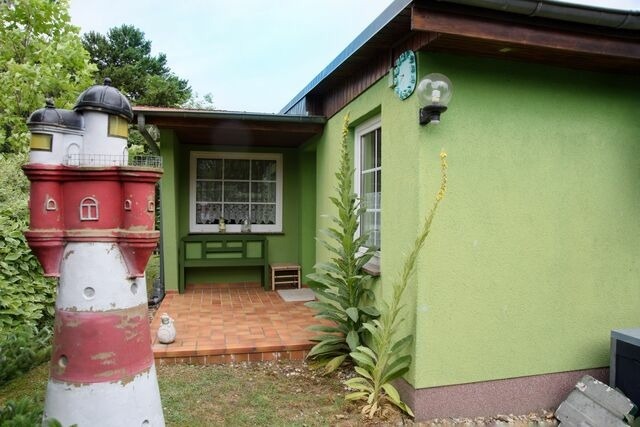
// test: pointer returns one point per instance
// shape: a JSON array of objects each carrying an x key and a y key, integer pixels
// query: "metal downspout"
[
  {"x": 158, "y": 294},
  {"x": 147, "y": 136}
]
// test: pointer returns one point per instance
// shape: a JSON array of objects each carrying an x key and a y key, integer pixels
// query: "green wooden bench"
[{"x": 223, "y": 250}]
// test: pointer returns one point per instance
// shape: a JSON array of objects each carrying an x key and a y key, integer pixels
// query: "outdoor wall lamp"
[{"x": 434, "y": 93}]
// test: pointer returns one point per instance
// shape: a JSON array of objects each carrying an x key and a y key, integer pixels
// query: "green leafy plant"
[
  {"x": 25, "y": 412},
  {"x": 21, "y": 349},
  {"x": 343, "y": 289},
  {"x": 26, "y": 296},
  {"x": 382, "y": 359}
]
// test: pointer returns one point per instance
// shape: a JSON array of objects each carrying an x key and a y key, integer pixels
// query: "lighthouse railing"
[{"x": 105, "y": 160}]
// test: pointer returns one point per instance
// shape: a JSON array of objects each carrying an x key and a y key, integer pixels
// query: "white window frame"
[
  {"x": 234, "y": 228},
  {"x": 366, "y": 127}
]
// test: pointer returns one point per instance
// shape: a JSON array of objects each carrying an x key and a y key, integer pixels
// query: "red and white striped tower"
[{"x": 92, "y": 225}]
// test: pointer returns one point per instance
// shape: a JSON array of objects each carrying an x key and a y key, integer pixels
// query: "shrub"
[
  {"x": 343, "y": 290},
  {"x": 22, "y": 349},
  {"x": 25, "y": 412},
  {"x": 26, "y": 296}
]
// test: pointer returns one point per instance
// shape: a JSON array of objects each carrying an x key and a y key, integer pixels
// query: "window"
[
  {"x": 236, "y": 187},
  {"x": 41, "y": 142},
  {"x": 368, "y": 178},
  {"x": 89, "y": 209},
  {"x": 118, "y": 127}
]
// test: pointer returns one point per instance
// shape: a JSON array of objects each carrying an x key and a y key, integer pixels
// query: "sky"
[{"x": 250, "y": 55}]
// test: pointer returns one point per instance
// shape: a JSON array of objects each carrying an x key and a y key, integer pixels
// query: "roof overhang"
[
  {"x": 512, "y": 36},
  {"x": 542, "y": 31},
  {"x": 230, "y": 128}
]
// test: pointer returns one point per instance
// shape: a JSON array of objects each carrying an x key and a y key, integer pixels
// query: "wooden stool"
[{"x": 283, "y": 273}]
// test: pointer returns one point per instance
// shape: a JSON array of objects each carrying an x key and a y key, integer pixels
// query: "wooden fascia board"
[
  {"x": 525, "y": 35},
  {"x": 181, "y": 123}
]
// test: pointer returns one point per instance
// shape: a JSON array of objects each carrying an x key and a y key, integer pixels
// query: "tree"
[
  {"x": 124, "y": 55},
  {"x": 41, "y": 55}
]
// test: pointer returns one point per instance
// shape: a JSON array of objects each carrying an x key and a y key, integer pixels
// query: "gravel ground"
[{"x": 544, "y": 418}]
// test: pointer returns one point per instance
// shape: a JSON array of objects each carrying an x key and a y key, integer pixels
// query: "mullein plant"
[
  {"x": 343, "y": 289},
  {"x": 382, "y": 358}
]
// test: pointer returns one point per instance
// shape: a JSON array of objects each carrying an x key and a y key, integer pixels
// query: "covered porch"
[
  {"x": 221, "y": 323},
  {"x": 243, "y": 167},
  {"x": 255, "y": 171}
]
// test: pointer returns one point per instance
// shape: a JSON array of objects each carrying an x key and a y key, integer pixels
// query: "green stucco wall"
[
  {"x": 292, "y": 245},
  {"x": 533, "y": 257},
  {"x": 169, "y": 211}
]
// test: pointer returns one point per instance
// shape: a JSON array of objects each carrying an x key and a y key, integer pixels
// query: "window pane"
[
  {"x": 370, "y": 195},
  {"x": 209, "y": 169},
  {"x": 208, "y": 191},
  {"x": 118, "y": 127},
  {"x": 378, "y": 174},
  {"x": 263, "y": 170},
  {"x": 263, "y": 192},
  {"x": 376, "y": 232},
  {"x": 41, "y": 142},
  {"x": 235, "y": 213},
  {"x": 263, "y": 214},
  {"x": 368, "y": 151},
  {"x": 371, "y": 225},
  {"x": 236, "y": 169},
  {"x": 236, "y": 191},
  {"x": 378, "y": 148},
  {"x": 208, "y": 213}
]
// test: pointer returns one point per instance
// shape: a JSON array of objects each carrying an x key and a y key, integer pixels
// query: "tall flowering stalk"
[
  {"x": 381, "y": 360},
  {"x": 343, "y": 289}
]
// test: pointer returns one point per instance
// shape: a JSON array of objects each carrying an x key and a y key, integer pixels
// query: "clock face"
[{"x": 404, "y": 74}]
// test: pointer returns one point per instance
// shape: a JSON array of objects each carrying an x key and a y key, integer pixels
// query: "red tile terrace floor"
[{"x": 222, "y": 323}]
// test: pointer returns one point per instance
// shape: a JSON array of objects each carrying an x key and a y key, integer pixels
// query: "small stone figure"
[
  {"x": 246, "y": 226},
  {"x": 166, "y": 331},
  {"x": 222, "y": 227}
]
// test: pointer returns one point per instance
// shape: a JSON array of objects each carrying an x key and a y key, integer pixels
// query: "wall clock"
[{"x": 404, "y": 74}]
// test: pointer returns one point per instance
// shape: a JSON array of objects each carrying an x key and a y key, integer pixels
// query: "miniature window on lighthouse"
[
  {"x": 118, "y": 127},
  {"x": 89, "y": 209},
  {"x": 41, "y": 142}
]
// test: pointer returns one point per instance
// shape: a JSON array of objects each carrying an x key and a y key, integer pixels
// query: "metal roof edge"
[
  {"x": 562, "y": 10},
  {"x": 372, "y": 29}
]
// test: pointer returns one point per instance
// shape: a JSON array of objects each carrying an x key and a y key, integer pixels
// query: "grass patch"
[
  {"x": 251, "y": 394},
  {"x": 241, "y": 394}
]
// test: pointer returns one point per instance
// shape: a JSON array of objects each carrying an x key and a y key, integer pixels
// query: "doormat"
[{"x": 295, "y": 295}]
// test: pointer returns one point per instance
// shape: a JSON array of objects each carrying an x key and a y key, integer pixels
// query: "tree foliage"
[
  {"x": 124, "y": 55},
  {"x": 345, "y": 297},
  {"x": 41, "y": 55}
]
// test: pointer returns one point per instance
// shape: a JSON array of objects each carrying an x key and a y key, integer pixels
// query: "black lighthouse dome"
[
  {"x": 105, "y": 98},
  {"x": 50, "y": 116}
]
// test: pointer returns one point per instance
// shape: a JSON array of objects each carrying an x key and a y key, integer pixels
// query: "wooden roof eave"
[
  {"x": 480, "y": 30},
  {"x": 233, "y": 128}
]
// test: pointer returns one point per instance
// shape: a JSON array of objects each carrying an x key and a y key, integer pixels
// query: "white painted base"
[{"x": 136, "y": 403}]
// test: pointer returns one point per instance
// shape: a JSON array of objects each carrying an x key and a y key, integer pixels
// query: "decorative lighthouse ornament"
[{"x": 92, "y": 225}]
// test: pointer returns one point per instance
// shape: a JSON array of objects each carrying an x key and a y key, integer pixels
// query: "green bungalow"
[{"x": 534, "y": 256}]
